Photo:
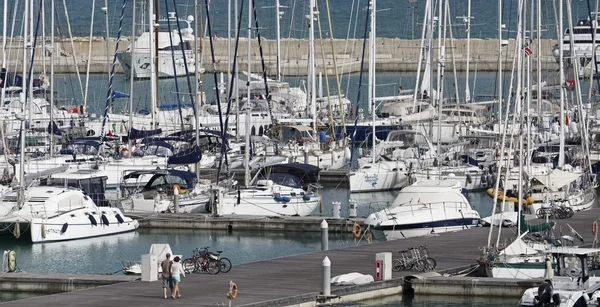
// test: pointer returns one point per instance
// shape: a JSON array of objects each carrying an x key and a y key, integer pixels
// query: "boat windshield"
[{"x": 408, "y": 139}]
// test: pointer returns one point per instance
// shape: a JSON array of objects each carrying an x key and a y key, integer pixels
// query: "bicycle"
[
  {"x": 402, "y": 263},
  {"x": 429, "y": 263},
  {"x": 201, "y": 261},
  {"x": 223, "y": 262}
]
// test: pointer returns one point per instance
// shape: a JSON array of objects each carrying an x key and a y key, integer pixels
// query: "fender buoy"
[
  {"x": 43, "y": 231},
  {"x": 176, "y": 188},
  {"x": 469, "y": 178},
  {"x": 321, "y": 205},
  {"x": 12, "y": 261},
  {"x": 356, "y": 230},
  {"x": 233, "y": 290},
  {"x": 594, "y": 228},
  {"x": 17, "y": 230}
]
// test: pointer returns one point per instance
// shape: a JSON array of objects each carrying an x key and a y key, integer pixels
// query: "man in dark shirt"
[{"x": 166, "y": 274}]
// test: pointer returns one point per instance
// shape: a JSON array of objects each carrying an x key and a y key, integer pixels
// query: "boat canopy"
[
  {"x": 169, "y": 176},
  {"x": 557, "y": 179},
  {"x": 291, "y": 174}
]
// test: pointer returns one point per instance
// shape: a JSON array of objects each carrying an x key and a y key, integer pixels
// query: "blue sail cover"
[
  {"x": 53, "y": 129},
  {"x": 189, "y": 156},
  {"x": 140, "y": 134},
  {"x": 117, "y": 95},
  {"x": 11, "y": 79}
]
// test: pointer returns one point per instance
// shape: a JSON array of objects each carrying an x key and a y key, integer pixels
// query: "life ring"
[
  {"x": 594, "y": 228},
  {"x": 356, "y": 230},
  {"x": 12, "y": 261},
  {"x": 233, "y": 290},
  {"x": 176, "y": 189}
]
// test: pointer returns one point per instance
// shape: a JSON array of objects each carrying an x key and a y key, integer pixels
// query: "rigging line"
[
  {"x": 173, "y": 59},
  {"x": 73, "y": 53},
  {"x": 12, "y": 32},
  {"x": 232, "y": 84},
  {"x": 89, "y": 60},
  {"x": 348, "y": 35},
  {"x": 360, "y": 77},
  {"x": 30, "y": 73},
  {"x": 337, "y": 77},
  {"x": 329, "y": 107},
  {"x": 262, "y": 61},
  {"x": 112, "y": 75},
  {"x": 353, "y": 44},
  {"x": 187, "y": 73},
  {"x": 214, "y": 68}
]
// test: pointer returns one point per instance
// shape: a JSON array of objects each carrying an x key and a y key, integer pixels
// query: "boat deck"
[{"x": 295, "y": 279}]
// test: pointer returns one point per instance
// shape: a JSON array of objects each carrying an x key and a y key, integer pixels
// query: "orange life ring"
[
  {"x": 356, "y": 230},
  {"x": 233, "y": 290},
  {"x": 176, "y": 188},
  {"x": 594, "y": 228}
]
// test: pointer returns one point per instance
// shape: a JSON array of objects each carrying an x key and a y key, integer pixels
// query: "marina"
[
  {"x": 286, "y": 163},
  {"x": 268, "y": 282}
]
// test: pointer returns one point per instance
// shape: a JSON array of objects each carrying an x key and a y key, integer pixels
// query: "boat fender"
[
  {"x": 233, "y": 290},
  {"x": 176, "y": 188},
  {"x": 594, "y": 228},
  {"x": 469, "y": 178},
  {"x": 43, "y": 229},
  {"x": 356, "y": 230},
  {"x": 12, "y": 261},
  {"x": 17, "y": 231},
  {"x": 306, "y": 197},
  {"x": 93, "y": 220},
  {"x": 484, "y": 179},
  {"x": 104, "y": 220},
  {"x": 119, "y": 219},
  {"x": 64, "y": 228},
  {"x": 239, "y": 197},
  {"x": 208, "y": 207}
]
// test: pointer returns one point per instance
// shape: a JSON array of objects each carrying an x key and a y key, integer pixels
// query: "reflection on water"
[
  {"x": 441, "y": 301},
  {"x": 13, "y": 296},
  {"x": 104, "y": 255}
]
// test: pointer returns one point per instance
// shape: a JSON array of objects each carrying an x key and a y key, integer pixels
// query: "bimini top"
[
  {"x": 431, "y": 191},
  {"x": 290, "y": 174}
]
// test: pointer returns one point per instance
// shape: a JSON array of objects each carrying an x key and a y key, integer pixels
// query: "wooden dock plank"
[{"x": 294, "y": 276}]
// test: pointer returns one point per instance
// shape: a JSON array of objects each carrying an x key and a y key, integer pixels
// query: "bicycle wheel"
[
  {"x": 541, "y": 213},
  {"x": 570, "y": 212},
  {"x": 212, "y": 267},
  {"x": 407, "y": 265},
  {"x": 397, "y": 265},
  {"x": 419, "y": 265},
  {"x": 430, "y": 264},
  {"x": 189, "y": 266},
  {"x": 224, "y": 265}
]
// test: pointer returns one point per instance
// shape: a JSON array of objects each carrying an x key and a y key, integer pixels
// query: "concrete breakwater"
[{"x": 393, "y": 55}]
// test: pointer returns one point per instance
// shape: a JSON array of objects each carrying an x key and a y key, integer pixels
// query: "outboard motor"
[{"x": 544, "y": 297}]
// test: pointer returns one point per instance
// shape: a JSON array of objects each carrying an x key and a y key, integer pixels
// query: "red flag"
[{"x": 527, "y": 51}]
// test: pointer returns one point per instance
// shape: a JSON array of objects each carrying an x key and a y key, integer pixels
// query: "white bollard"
[
  {"x": 337, "y": 209},
  {"x": 326, "y": 276},
  {"x": 176, "y": 199},
  {"x": 149, "y": 267},
  {"x": 324, "y": 236},
  {"x": 352, "y": 208}
]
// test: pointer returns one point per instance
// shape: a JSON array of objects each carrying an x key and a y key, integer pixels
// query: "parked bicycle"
[
  {"x": 201, "y": 261},
  {"x": 223, "y": 262},
  {"x": 418, "y": 259}
]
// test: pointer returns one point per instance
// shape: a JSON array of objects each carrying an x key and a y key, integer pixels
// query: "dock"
[{"x": 297, "y": 280}]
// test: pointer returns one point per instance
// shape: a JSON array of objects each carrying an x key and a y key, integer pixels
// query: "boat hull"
[{"x": 403, "y": 231}]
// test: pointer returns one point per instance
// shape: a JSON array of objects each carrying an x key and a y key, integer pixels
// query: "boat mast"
[
  {"x": 561, "y": 73},
  {"x": 278, "y": 40},
  {"x": 500, "y": 82},
  {"x": 371, "y": 91},
  {"x": 520, "y": 44},
  {"x": 153, "y": 61},
  {"x": 23, "y": 99},
  {"x": 51, "y": 77},
  {"x": 228, "y": 48},
  {"x": 311, "y": 65},
  {"x": 197, "y": 78},
  {"x": 539, "y": 59},
  {"x": 131, "y": 76},
  {"x": 468, "y": 26},
  {"x": 248, "y": 102}
]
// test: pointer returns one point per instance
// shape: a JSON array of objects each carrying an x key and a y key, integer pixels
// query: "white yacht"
[
  {"x": 424, "y": 208},
  {"x": 283, "y": 189},
  {"x": 139, "y": 63},
  {"x": 582, "y": 42},
  {"x": 64, "y": 206}
]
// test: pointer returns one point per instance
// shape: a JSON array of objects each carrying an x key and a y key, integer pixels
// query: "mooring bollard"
[
  {"x": 326, "y": 276},
  {"x": 176, "y": 199},
  {"x": 324, "y": 236},
  {"x": 337, "y": 209}
]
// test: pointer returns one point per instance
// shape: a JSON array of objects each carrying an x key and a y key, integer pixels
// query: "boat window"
[{"x": 177, "y": 180}]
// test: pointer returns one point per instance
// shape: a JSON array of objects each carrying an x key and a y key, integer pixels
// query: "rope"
[
  {"x": 73, "y": 48},
  {"x": 173, "y": 61},
  {"x": 112, "y": 75}
]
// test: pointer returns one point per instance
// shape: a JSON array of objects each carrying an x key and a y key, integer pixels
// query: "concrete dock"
[
  {"x": 393, "y": 55},
  {"x": 296, "y": 280}
]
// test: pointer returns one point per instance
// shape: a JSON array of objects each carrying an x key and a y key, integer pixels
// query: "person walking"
[
  {"x": 165, "y": 265},
  {"x": 176, "y": 273}
]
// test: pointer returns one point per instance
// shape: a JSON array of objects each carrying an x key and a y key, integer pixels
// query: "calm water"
[{"x": 395, "y": 18}]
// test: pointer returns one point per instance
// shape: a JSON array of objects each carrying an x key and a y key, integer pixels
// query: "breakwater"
[{"x": 392, "y": 55}]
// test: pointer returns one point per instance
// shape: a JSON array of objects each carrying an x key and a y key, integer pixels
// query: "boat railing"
[{"x": 417, "y": 208}]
